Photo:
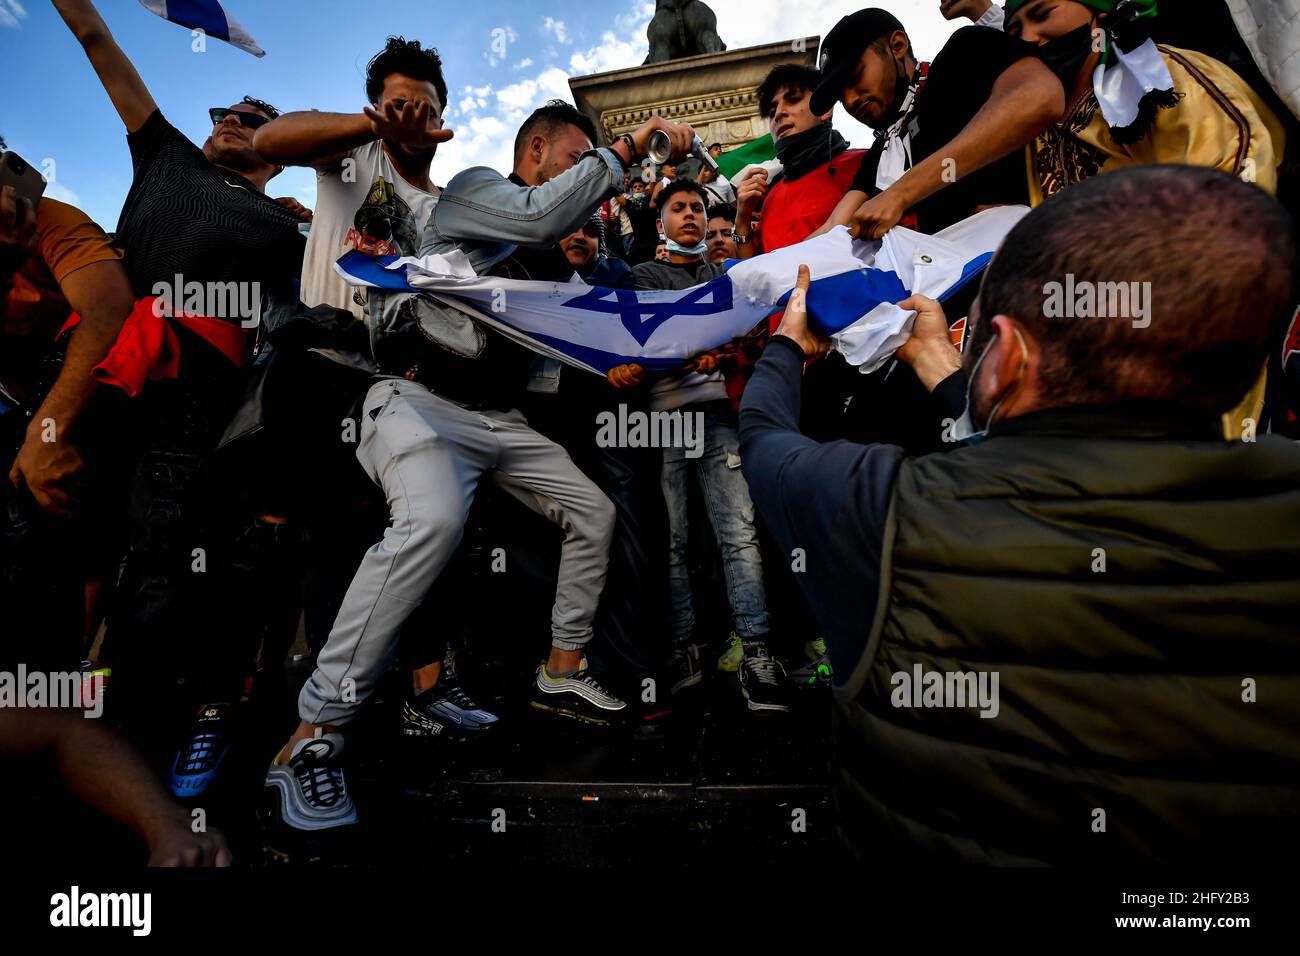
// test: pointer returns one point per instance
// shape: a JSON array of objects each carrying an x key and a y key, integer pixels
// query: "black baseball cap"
[{"x": 842, "y": 48}]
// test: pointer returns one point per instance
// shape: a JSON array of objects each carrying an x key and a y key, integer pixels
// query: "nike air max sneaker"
[
  {"x": 578, "y": 696},
  {"x": 311, "y": 793},
  {"x": 198, "y": 763},
  {"x": 445, "y": 707}
]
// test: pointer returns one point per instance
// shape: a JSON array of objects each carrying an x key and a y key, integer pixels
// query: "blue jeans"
[{"x": 726, "y": 498}]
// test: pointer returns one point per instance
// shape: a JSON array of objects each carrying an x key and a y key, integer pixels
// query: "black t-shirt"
[
  {"x": 185, "y": 216},
  {"x": 957, "y": 87},
  {"x": 674, "y": 275}
]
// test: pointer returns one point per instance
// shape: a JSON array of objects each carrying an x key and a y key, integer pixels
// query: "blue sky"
[{"x": 52, "y": 106}]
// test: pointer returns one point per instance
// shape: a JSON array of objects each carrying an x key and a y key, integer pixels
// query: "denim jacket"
[{"x": 487, "y": 217}]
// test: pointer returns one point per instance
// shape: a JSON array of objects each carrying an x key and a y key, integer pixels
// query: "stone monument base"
[{"x": 715, "y": 92}]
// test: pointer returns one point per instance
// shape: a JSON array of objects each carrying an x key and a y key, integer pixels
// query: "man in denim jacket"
[{"x": 444, "y": 416}]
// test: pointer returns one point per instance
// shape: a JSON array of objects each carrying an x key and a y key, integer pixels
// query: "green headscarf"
[{"x": 1142, "y": 8}]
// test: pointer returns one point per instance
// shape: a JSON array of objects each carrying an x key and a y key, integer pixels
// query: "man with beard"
[
  {"x": 193, "y": 216},
  {"x": 951, "y": 134}
]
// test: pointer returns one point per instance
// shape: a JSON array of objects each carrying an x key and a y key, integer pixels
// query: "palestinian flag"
[{"x": 757, "y": 151}]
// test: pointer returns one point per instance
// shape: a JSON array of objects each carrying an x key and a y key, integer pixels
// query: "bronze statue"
[{"x": 682, "y": 28}]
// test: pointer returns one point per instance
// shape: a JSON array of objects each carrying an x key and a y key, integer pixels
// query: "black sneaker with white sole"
[
  {"x": 684, "y": 668},
  {"x": 445, "y": 707},
  {"x": 762, "y": 681},
  {"x": 578, "y": 696},
  {"x": 311, "y": 793}
]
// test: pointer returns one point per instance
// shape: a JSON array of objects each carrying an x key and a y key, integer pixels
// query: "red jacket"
[{"x": 791, "y": 210}]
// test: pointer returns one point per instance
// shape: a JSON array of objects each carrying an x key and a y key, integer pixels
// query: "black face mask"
[
  {"x": 901, "y": 86},
  {"x": 1066, "y": 55}
]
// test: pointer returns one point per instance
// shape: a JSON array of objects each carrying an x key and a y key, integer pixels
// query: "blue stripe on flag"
[
  {"x": 971, "y": 270},
  {"x": 207, "y": 15},
  {"x": 836, "y": 302},
  {"x": 372, "y": 269}
]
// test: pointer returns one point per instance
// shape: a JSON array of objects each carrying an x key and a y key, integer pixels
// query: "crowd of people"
[{"x": 191, "y": 485}]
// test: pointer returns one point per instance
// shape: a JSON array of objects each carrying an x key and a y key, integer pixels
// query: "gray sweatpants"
[{"x": 428, "y": 454}]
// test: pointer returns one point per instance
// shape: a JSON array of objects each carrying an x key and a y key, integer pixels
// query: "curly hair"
[
  {"x": 407, "y": 57},
  {"x": 262, "y": 105}
]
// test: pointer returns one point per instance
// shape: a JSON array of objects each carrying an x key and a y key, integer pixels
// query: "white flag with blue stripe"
[
  {"x": 851, "y": 298},
  {"x": 206, "y": 15}
]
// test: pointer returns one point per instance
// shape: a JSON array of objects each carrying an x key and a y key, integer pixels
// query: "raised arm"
[
  {"x": 1025, "y": 100},
  {"x": 131, "y": 98},
  {"x": 320, "y": 140},
  {"x": 480, "y": 204}
]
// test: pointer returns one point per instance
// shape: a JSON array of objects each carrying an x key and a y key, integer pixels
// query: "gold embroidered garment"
[{"x": 1218, "y": 122}]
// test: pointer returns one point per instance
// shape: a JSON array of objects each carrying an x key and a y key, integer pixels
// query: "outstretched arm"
[
  {"x": 1024, "y": 101},
  {"x": 131, "y": 98},
  {"x": 312, "y": 138},
  {"x": 104, "y": 771}
]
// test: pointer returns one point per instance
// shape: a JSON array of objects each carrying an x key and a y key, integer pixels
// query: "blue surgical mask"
[
  {"x": 964, "y": 430},
  {"x": 699, "y": 249}
]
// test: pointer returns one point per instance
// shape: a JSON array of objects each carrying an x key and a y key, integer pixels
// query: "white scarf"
[
  {"x": 1120, "y": 85},
  {"x": 896, "y": 156}
]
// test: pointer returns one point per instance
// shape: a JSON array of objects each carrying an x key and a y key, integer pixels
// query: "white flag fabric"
[
  {"x": 206, "y": 15},
  {"x": 852, "y": 297}
]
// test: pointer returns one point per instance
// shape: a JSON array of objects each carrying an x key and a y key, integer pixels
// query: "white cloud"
[
  {"x": 485, "y": 119},
  {"x": 11, "y": 11},
  {"x": 611, "y": 53},
  {"x": 557, "y": 29}
]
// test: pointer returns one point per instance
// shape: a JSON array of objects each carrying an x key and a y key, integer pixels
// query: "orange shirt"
[{"x": 66, "y": 240}]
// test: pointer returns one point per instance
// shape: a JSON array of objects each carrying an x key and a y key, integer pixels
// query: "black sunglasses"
[{"x": 251, "y": 120}]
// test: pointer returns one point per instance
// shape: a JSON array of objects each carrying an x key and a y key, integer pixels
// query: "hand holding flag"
[{"x": 794, "y": 323}]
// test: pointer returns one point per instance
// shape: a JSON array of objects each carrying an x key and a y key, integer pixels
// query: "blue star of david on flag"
[{"x": 643, "y": 319}]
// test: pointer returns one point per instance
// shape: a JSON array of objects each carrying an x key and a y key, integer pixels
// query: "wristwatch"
[{"x": 738, "y": 239}]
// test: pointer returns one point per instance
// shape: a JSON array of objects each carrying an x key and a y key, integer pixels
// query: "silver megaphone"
[{"x": 659, "y": 149}]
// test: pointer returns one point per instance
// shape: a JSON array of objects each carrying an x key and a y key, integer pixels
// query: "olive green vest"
[{"x": 1128, "y": 594}]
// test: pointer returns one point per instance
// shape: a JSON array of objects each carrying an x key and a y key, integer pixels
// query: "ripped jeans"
[{"x": 731, "y": 512}]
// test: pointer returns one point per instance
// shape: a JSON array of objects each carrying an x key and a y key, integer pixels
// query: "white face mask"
[
  {"x": 698, "y": 249},
  {"x": 964, "y": 430}
]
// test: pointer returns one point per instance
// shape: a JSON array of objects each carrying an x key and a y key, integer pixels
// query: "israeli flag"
[
  {"x": 206, "y": 15},
  {"x": 852, "y": 297}
]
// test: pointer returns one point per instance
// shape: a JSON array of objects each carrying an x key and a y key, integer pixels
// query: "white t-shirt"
[{"x": 362, "y": 202}]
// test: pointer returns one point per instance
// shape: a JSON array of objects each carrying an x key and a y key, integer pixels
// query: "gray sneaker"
[
  {"x": 578, "y": 696},
  {"x": 311, "y": 791}
]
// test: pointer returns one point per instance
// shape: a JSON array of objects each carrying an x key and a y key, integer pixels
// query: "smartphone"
[{"x": 23, "y": 176}]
